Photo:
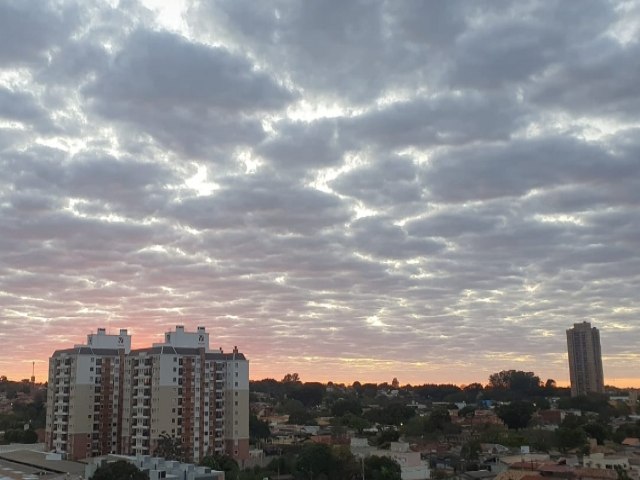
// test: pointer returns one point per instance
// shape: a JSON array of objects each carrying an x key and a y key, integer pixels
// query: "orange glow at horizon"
[
  {"x": 337, "y": 369},
  {"x": 22, "y": 370}
]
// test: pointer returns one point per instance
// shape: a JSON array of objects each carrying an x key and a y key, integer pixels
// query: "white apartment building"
[{"x": 178, "y": 387}]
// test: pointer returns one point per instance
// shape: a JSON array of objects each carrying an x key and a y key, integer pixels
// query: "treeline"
[
  {"x": 29, "y": 411},
  {"x": 506, "y": 385}
]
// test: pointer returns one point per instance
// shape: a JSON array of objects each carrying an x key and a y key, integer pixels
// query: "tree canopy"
[
  {"x": 517, "y": 414},
  {"x": 170, "y": 448},
  {"x": 120, "y": 470},
  {"x": 517, "y": 381}
]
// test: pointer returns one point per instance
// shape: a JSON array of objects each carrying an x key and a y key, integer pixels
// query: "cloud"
[
  {"x": 432, "y": 191},
  {"x": 264, "y": 203},
  {"x": 29, "y": 29},
  {"x": 207, "y": 95},
  {"x": 521, "y": 166}
]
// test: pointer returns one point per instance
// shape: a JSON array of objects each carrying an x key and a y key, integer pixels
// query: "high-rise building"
[
  {"x": 105, "y": 398},
  {"x": 585, "y": 359}
]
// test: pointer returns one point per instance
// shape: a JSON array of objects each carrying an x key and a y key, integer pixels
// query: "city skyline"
[
  {"x": 432, "y": 191},
  {"x": 159, "y": 339}
]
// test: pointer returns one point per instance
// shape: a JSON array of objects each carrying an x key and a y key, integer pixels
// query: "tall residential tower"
[
  {"x": 585, "y": 359},
  {"x": 105, "y": 398}
]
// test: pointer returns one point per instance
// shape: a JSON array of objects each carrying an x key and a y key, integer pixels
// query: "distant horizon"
[
  {"x": 368, "y": 370},
  {"x": 350, "y": 383}
]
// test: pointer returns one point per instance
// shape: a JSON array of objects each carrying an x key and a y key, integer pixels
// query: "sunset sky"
[{"x": 350, "y": 190}]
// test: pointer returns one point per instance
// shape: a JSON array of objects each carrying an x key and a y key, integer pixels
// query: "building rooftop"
[{"x": 36, "y": 459}]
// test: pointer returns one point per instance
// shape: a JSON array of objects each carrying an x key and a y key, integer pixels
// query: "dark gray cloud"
[
  {"x": 602, "y": 84},
  {"x": 30, "y": 29},
  {"x": 444, "y": 119},
  {"x": 432, "y": 191},
  {"x": 263, "y": 203},
  {"x": 299, "y": 146},
  {"x": 21, "y": 107},
  {"x": 206, "y": 95},
  {"x": 383, "y": 184},
  {"x": 520, "y": 166}
]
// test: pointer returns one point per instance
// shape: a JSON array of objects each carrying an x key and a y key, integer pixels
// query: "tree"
[
  {"x": 382, "y": 468},
  {"x": 120, "y": 470},
  {"x": 170, "y": 448},
  {"x": 316, "y": 459},
  {"x": 468, "y": 411},
  {"x": 258, "y": 429},
  {"x": 438, "y": 419},
  {"x": 516, "y": 381},
  {"x": 347, "y": 468},
  {"x": 309, "y": 394},
  {"x": 369, "y": 389},
  {"x": 20, "y": 435},
  {"x": 344, "y": 406},
  {"x": 516, "y": 414},
  {"x": 570, "y": 434},
  {"x": 301, "y": 418},
  {"x": 392, "y": 414},
  {"x": 597, "y": 431},
  {"x": 470, "y": 452},
  {"x": 222, "y": 463},
  {"x": 291, "y": 378},
  {"x": 355, "y": 422}
]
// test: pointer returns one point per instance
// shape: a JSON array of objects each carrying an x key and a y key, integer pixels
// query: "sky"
[{"x": 350, "y": 190}]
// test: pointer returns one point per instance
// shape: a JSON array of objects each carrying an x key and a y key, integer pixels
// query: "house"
[
  {"x": 158, "y": 468},
  {"x": 411, "y": 464}
]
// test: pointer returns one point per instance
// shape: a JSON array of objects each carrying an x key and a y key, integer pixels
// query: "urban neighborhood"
[{"x": 180, "y": 409}]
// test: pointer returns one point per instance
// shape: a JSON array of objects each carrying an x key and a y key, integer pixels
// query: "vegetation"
[
  {"x": 222, "y": 463},
  {"x": 20, "y": 436},
  {"x": 28, "y": 409},
  {"x": 517, "y": 414},
  {"x": 120, "y": 470},
  {"x": 171, "y": 448}
]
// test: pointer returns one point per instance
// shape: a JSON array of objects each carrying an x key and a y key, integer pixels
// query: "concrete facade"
[
  {"x": 585, "y": 359},
  {"x": 178, "y": 388}
]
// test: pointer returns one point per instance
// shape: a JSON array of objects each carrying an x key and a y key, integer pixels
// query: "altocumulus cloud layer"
[{"x": 349, "y": 190}]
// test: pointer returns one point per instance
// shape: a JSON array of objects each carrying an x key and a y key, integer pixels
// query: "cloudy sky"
[{"x": 350, "y": 190}]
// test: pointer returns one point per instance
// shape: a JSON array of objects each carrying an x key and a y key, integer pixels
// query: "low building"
[
  {"x": 411, "y": 464},
  {"x": 608, "y": 462},
  {"x": 158, "y": 468}
]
